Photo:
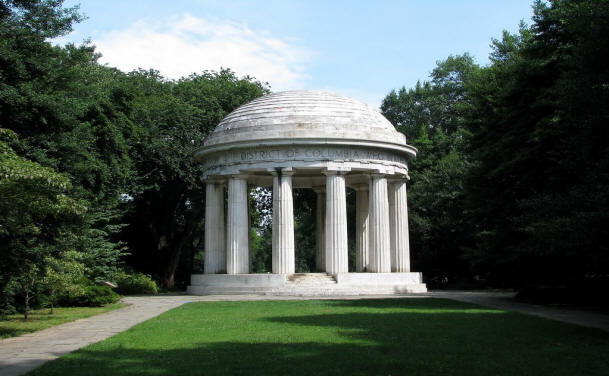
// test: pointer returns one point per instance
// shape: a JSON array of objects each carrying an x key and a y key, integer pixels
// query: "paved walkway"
[
  {"x": 505, "y": 301},
  {"x": 19, "y": 355}
]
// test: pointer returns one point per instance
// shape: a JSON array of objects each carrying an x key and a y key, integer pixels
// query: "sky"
[{"x": 362, "y": 49}]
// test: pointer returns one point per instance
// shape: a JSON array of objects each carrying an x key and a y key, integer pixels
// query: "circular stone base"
[{"x": 307, "y": 284}]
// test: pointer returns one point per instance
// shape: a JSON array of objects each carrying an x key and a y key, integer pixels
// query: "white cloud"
[{"x": 189, "y": 44}]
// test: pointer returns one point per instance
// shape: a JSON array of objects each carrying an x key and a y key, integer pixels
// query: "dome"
[
  {"x": 307, "y": 132},
  {"x": 304, "y": 115}
]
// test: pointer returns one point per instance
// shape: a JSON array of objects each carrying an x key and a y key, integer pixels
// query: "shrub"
[
  {"x": 89, "y": 296},
  {"x": 136, "y": 283}
]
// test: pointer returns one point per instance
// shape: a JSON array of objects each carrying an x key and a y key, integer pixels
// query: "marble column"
[
  {"x": 362, "y": 257},
  {"x": 380, "y": 256},
  {"x": 215, "y": 251},
  {"x": 336, "y": 223},
  {"x": 237, "y": 237},
  {"x": 283, "y": 223},
  {"x": 320, "y": 229},
  {"x": 398, "y": 218}
]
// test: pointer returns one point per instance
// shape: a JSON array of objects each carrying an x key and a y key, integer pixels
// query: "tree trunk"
[
  {"x": 52, "y": 296},
  {"x": 178, "y": 242},
  {"x": 26, "y": 310},
  {"x": 172, "y": 265}
]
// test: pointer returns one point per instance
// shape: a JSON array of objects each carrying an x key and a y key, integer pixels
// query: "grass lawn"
[
  {"x": 342, "y": 337},
  {"x": 41, "y": 319}
]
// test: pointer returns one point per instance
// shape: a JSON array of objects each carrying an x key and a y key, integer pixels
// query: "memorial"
[{"x": 322, "y": 141}]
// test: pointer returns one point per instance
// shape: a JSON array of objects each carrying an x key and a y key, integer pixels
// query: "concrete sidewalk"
[
  {"x": 505, "y": 301},
  {"x": 19, "y": 355}
]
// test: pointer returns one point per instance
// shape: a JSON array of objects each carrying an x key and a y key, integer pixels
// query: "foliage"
[
  {"x": 61, "y": 276},
  {"x": 538, "y": 194},
  {"x": 96, "y": 168},
  {"x": 510, "y": 184},
  {"x": 89, "y": 296},
  {"x": 304, "y": 230},
  {"x": 167, "y": 204},
  {"x": 119, "y": 145},
  {"x": 71, "y": 153},
  {"x": 136, "y": 283},
  {"x": 261, "y": 240},
  {"x": 342, "y": 337},
  {"x": 261, "y": 236},
  {"x": 37, "y": 220},
  {"x": 431, "y": 116}
]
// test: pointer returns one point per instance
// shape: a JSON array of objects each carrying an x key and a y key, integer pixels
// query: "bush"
[
  {"x": 98, "y": 296},
  {"x": 136, "y": 283},
  {"x": 89, "y": 296}
]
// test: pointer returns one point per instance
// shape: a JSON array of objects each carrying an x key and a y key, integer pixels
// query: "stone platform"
[{"x": 307, "y": 284}]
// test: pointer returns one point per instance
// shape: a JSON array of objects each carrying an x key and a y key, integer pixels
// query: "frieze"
[{"x": 304, "y": 153}]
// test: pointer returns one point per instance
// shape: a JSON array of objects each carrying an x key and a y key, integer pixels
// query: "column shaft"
[
  {"x": 336, "y": 224},
  {"x": 237, "y": 237},
  {"x": 380, "y": 257},
  {"x": 362, "y": 257},
  {"x": 215, "y": 251},
  {"x": 400, "y": 246},
  {"x": 320, "y": 229},
  {"x": 283, "y": 225}
]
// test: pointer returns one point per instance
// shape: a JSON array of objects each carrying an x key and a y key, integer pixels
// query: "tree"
[
  {"x": 61, "y": 275},
  {"x": 538, "y": 194},
  {"x": 168, "y": 203},
  {"x": 37, "y": 219},
  {"x": 431, "y": 116},
  {"x": 72, "y": 130}
]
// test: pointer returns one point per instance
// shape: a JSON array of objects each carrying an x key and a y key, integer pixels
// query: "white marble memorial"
[{"x": 318, "y": 140}]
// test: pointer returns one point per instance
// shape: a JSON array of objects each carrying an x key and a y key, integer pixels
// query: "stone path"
[
  {"x": 504, "y": 300},
  {"x": 19, "y": 355}
]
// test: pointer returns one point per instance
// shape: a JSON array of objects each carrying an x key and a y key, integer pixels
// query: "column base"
[{"x": 307, "y": 284}]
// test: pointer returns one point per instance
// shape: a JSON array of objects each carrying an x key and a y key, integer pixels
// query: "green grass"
[
  {"x": 342, "y": 337},
  {"x": 41, "y": 319}
]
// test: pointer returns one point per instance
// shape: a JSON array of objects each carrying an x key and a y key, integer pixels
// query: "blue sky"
[{"x": 362, "y": 49}]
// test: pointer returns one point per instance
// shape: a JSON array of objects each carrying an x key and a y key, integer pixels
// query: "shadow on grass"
[
  {"x": 431, "y": 305},
  {"x": 396, "y": 337}
]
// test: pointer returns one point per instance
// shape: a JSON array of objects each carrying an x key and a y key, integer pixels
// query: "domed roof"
[{"x": 290, "y": 116}]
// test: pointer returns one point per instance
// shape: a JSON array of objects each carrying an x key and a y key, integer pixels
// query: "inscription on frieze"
[
  {"x": 304, "y": 153},
  {"x": 314, "y": 153}
]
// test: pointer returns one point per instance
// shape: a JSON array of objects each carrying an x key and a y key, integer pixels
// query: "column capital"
[
  {"x": 284, "y": 171},
  {"x": 397, "y": 178},
  {"x": 377, "y": 175},
  {"x": 215, "y": 181},
  {"x": 361, "y": 187},
  {"x": 238, "y": 176},
  {"x": 333, "y": 172}
]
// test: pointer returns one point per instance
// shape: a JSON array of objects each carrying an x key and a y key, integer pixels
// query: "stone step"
[
  {"x": 306, "y": 290},
  {"x": 310, "y": 279}
]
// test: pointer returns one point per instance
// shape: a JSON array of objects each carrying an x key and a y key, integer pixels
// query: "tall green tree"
[
  {"x": 538, "y": 194},
  {"x": 38, "y": 220},
  {"x": 431, "y": 116},
  {"x": 168, "y": 203},
  {"x": 68, "y": 115}
]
